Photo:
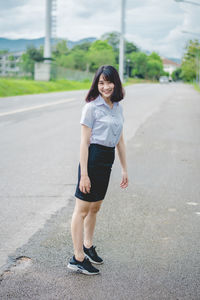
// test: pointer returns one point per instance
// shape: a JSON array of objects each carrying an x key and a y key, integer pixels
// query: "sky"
[{"x": 153, "y": 25}]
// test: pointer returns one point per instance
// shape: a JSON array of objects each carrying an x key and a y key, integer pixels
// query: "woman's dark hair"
[{"x": 109, "y": 74}]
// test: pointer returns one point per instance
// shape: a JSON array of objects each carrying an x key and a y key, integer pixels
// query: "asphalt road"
[{"x": 148, "y": 235}]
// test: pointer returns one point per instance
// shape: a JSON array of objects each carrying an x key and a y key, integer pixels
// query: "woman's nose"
[{"x": 106, "y": 86}]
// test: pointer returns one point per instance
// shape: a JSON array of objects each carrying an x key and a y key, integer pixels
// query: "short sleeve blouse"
[{"x": 106, "y": 123}]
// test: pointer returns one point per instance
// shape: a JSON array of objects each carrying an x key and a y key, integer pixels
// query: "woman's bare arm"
[
  {"x": 85, "y": 184},
  {"x": 121, "y": 149}
]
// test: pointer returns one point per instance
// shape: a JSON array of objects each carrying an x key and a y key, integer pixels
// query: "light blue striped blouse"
[{"x": 106, "y": 122}]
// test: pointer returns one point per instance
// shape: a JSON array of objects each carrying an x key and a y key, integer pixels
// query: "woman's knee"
[
  {"x": 81, "y": 212},
  {"x": 95, "y": 207},
  {"x": 81, "y": 208}
]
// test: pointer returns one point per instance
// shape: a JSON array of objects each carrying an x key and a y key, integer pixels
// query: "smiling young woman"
[{"x": 101, "y": 131}]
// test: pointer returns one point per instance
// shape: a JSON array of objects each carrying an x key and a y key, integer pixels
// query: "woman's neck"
[{"x": 108, "y": 101}]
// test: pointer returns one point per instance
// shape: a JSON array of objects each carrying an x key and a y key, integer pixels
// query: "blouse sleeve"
[
  {"x": 121, "y": 110},
  {"x": 87, "y": 117}
]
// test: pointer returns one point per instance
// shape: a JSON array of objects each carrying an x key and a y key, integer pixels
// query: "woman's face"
[{"x": 105, "y": 88}]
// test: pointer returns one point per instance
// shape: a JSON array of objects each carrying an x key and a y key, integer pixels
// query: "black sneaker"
[
  {"x": 84, "y": 266},
  {"x": 92, "y": 255}
]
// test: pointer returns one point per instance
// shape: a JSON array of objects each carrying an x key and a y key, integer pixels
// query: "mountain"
[
  {"x": 21, "y": 44},
  {"x": 176, "y": 60}
]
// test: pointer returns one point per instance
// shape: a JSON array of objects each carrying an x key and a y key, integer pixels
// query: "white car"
[{"x": 164, "y": 79}]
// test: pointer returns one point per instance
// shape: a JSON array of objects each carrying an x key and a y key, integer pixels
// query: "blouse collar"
[{"x": 101, "y": 101}]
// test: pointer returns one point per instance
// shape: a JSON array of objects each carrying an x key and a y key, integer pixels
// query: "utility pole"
[
  {"x": 54, "y": 19},
  {"x": 121, "y": 47},
  {"x": 47, "y": 43},
  {"x": 43, "y": 69}
]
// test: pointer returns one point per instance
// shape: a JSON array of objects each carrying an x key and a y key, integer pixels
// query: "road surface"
[{"x": 149, "y": 241}]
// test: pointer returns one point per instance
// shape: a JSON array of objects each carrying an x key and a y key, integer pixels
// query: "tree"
[
  {"x": 80, "y": 59},
  {"x": 144, "y": 66},
  {"x": 138, "y": 63},
  {"x": 60, "y": 49},
  {"x": 4, "y": 51},
  {"x": 130, "y": 47},
  {"x": 60, "y": 53},
  {"x": 84, "y": 46},
  {"x": 155, "y": 56},
  {"x": 188, "y": 70},
  {"x": 11, "y": 58},
  {"x": 112, "y": 38},
  {"x": 154, "y": 68},
  {"x": 100, "y": 53},
  {"x": 76, "y": 59},
  {"x": 176, "y": 74},
  {"x": 29, "y": 58},
  {"x": 190, "y": 60}
]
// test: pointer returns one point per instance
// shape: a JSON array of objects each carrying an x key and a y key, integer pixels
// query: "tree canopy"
[
  {"x": 191, "y": 61},
  {"x": 90, "y": 56},
  {"x": 29, "y": 58},
  {"x": 100, "y": 53}
]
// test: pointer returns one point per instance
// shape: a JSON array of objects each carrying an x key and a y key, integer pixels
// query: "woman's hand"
[
  {"x": 85, "y": 184},
  {"x": 124, "y": 182},
  {"x": 122, "y": 158}
]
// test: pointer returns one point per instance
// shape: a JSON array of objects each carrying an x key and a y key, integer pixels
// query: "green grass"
[
  {"x": 14, "y": 87},
  {"x": 197, "y": 87},
  {"x": 138, "y": 80}
]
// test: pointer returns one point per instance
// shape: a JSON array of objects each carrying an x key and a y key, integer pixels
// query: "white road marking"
[
  {"x": 171, "y": 209},
  {"x": 192, "y": 203},
  {"x": 35, "y": 107}
]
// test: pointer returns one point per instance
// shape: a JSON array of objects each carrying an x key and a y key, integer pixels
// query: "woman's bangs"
[{"x": 108, "y": 76}]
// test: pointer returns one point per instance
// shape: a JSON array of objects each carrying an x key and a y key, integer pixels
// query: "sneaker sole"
[
  {"x": 76, "y": 269},
  {"x": 93, "y": 261}
]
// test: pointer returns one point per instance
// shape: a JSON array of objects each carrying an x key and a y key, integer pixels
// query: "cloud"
[
  {"x": 86, "y": 9},
  {"x": 10, "y": 4},
  {"x": 151, "y": 24},
  {"x": 159, "y": 27},
  {"x": 23, "y": 21}
]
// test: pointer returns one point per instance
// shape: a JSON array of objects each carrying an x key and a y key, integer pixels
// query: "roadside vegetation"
[
  {"x": 88, "y": 57},
  {"x": 14, "y": 87},
  {"x": 190, "y": 67},
  {"x": 197, "y": 87},
  {"x": 84, "y": 60}
]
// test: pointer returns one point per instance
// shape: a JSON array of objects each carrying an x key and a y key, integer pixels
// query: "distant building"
[
  {"x": 169, "y": 65},
  {"x": 9, "y": 63}
]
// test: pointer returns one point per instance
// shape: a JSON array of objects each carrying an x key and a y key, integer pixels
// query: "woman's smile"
[{"x": 105, "y": 87}]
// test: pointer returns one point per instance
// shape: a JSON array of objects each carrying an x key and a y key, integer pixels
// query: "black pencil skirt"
[{"x": 100, "y": 161}]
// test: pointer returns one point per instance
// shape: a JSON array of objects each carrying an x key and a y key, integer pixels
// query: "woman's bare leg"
[
  {"x": 77, "y": 225},
  {"x": 89, "y": 223}
]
